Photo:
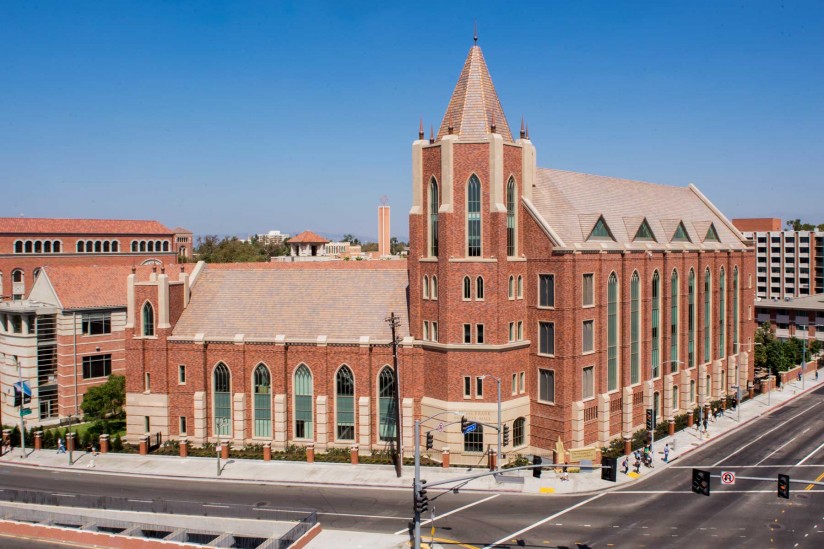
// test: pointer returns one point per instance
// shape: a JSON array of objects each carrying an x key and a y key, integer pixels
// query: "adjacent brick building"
[
  {"x": 29, "y": 244},
  {"x": 587, "y": 298}
]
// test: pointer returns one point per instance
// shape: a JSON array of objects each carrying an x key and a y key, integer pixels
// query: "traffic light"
[
  {"x": 430, "y": 440},
  {"x": 506, "y": 435},
  {"x": 421, "y": 499},
  {"x": 609, "y": 469},
  {"x": 464, "y": 424},
  {"x": 536, "y": 471},
  {"x": 784, "y": 486},
  {"x": 650, "y": 420},
  {"x": 701, "y": 482}
]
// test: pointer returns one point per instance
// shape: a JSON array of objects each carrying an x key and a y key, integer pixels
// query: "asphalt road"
[{"x": 658, "y": 511}]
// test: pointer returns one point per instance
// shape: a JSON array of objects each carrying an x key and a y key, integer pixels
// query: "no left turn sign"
[{"x": 727, "y": 477}]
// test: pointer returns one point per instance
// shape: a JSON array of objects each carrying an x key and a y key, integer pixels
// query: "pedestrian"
[
  {"x": 61, "y": 447},
  {"x": 706, "y": 425},
  {"x": 637, "y": 465},
  {"x": 93, "y": 452},
  {"x": 625, "y": 464},
  {"x": 666, "y": 453},
  {"x": 816, "y": 375}
]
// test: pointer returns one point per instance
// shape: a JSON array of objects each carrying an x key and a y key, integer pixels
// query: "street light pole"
[
  {"x": 22, "y": 405},
  {"x": 498, "y": 458}
]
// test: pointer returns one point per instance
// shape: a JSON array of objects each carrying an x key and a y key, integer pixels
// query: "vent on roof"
[
  {"x": 712, "y": 235},
  {"x": 600, "y": 231},
  {"x": 681, "y": 234},
  {"x": 644, "y": 232}
]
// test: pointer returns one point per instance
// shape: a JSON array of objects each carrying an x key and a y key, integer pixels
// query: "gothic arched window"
[{"x": 473, "y": 217}]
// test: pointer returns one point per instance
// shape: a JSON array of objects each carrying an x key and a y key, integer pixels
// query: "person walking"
[
  {"x": 61, "y": 446},
  {"x": 666, "y": 453},
  {"x": 93, "y": 455},
  {"x": 625, "y": 464},
  {"x": 706, "y": 424},
  {"x": 637, "y": 465}
]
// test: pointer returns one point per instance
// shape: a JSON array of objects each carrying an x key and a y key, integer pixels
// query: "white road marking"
[
  {"x": 473, "y": 504},
  {"x": 65, "y": 495},
  {"x": 366, "y": 516},
  {"x": 213, "y": 505},
  {"x": 811, "y": 454},
  {"x": 774, "y": 451},
  {"x": 140, "y": 500},
  {"x": 722, "y": 460},
  {"x": 542, "y": 521}
]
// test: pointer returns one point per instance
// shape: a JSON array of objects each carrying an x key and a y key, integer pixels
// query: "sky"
[{"x": 243, "y": 117}]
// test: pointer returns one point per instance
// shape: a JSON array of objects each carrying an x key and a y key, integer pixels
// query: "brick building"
[
  {"x": 587, "y": 298},
  {"x": 29, "y": 244}
]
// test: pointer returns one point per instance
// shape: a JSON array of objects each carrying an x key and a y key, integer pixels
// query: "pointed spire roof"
[{"x": 474, "y": 107}]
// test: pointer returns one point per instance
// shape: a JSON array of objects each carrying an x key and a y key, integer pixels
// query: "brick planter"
[
  {"x": 38, "y": 440},
  {"x": 267, "y": 451},
  {"x": 104, "y": 444},
  {"x": 71, "y": 439},
  {"x": 310, "y": 453},
  {"x": 224, "y": 450},
  {"x": 690, "y": 419},
  {"x": 184, "y": 448},
  {"x": 445, "y": 458},
  {"x": 353, "y": 455},
  {"x": 144, "y": 445},
  {"x": 670, "y": 427}
]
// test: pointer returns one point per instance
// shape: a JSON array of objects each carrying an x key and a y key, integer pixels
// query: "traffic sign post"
[{"x": 727, "y": 477}]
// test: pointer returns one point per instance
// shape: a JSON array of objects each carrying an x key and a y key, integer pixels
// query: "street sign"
[
  {"x": 470, "y": 428},
  {"x": 727, "y": 477},
  {"x": 25, "y": 411},
  {"x": 440, "y": 427}
]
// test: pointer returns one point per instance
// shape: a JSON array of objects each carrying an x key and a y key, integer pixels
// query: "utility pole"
[
  {"x": 394, "y": 323},
  {"x": 22, "y": 405}
]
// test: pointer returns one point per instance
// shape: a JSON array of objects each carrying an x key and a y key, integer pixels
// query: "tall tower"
[
  {"x": 466, "y": 261},
  {"x": 384, "y": 247}
]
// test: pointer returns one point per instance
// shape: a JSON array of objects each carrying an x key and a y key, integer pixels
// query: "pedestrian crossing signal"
[
  {"x": 609, "y": 469},
  {"x": 650, "y": 420},
  {"x": 536, "y": 471},
  {"x": 701, "y": 482},
  {"x": 784, "y": 486}
]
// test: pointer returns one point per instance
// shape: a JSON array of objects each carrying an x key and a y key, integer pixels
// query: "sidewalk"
[{"x": 344, "y": 474}]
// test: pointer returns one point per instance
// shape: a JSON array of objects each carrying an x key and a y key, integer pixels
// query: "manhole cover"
[{"x": 775, "y": 526}]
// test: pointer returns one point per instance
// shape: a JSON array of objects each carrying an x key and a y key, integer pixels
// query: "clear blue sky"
[{"x": 241, "y": 117}]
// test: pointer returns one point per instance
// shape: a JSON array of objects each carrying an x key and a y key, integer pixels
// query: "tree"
[
  {"x": 229, "y": 250},
  {"x": 350, "y": 239},
  {"x": 798, "y": 225},
  {"x": 105, "y": 400}
]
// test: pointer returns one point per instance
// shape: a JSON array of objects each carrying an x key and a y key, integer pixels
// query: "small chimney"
[
  {"x": 420, "y": 130},
  {"x": 431, "y": 134},
  {"x": 523, "y": 130}
]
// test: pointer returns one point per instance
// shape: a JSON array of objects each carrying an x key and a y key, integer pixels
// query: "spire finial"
[
  {"x": 450, "y": 127},
  {"x": 475, "y": 36},
  {"x": 492, "y": 125},
  {"x": 431, "y": 134},
  {"x": 527, "y": 130},
  {"x": 420, "y": 130},
  {"x": 523, "y": 131}
]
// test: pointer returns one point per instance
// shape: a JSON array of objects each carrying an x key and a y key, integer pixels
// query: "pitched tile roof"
[
  {"x": 99, "y": 286},
  {"x": 300, "y": 301},
  {"x": 308, "y": 237},
  {"x": 571, "y": 204},
  {"x": 34, "y": 225},
  {"x": 474, "y": 104}
]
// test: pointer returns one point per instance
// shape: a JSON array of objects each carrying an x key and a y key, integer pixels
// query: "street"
[{"x": 657, "y": 511}]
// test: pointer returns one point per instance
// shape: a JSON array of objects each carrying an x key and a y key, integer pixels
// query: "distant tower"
[{"x": 383, "y": 227}]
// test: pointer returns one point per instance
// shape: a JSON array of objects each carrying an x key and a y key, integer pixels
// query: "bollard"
[
  {"x": 353, "y": 454},
  {"x": 38, "y": 440},
  {"x": 104, "y": 444},
  {"x": 144, "y": 445},
  {"x": 670, "y": 427},
  {"x": 71, "y": 438},
  {"x": 310, "y": 453},
  {"x": 267, "y": 451},
  {"x": 445, "y": 457},
  {"x": 690, "y": 419},
  {"x": 224, "y": 450},
  {"x": 491, "y": 459},
  {"x": 184, "y": 447},
  {"x": 627, "y": 446}
]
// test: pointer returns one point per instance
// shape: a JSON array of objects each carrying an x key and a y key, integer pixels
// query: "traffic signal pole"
[
  {"x": 22, "y": 405},
  {"x": 416, "y": 485}
]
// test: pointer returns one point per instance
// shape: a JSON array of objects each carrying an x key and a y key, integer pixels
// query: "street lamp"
[
  {"x": 498, "y": 459},
  {"x": 220, "y": 422},
  {"x": 416, "y": 484}
]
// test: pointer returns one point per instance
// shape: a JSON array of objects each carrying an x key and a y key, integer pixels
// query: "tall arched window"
[
  {"x": 674, "y": 322},
  {"x": 479, "y": 288},
  {"x": 656, "y": 407},
  {"x": 115, "y": 246},
  {"x": 57, "y": 246},
  {"x": 722, "y": 314},
  {"x": 518, "y": 432},
  {"x": 29, "y": 247},
  {"x": 89, "y": 246},
  {"x": 511, "y": 193},
  {"x": 106, "y": 245},
  {"x": 425, "y": 287},
  {"x": 17, "y": 275},
  {"x": 434, "y": 292},
  {"x": 134, "y": 245},
  {"x": 345, "y": 403},
  {"x": 166, "y": 246},
  {"x": 473, "y": 217},
  {"x": 612, "y": 333},
  {"x": 691, "y": 319},
  {"x": 467, "y": 288},
  {"x": 520, "y": 286},
  {"x": 263, "y": 401},
  {"x": 635, "y": 329},
  {"x": 707, "y": 315},
  {"x": 655, "y": 317},
  {"x": 79, "y": 246},
  {"x": 150, "y": 246},
  {"x": 142, "y": 245},
  {"x": 735, "y": 310},
  {"x": 221, "y": 388},
  {"x": 511, "y": 287},
  {"x": 434, "y": 205},
  {"x": 303, "y": 402},
  {"x": 98, "y": 246},
  {"x": 474, "y": 440},
  {"x": 386, "y": 404},
  {"x": 18, "y": 247},
  {"x": 147, "y": 315}
]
